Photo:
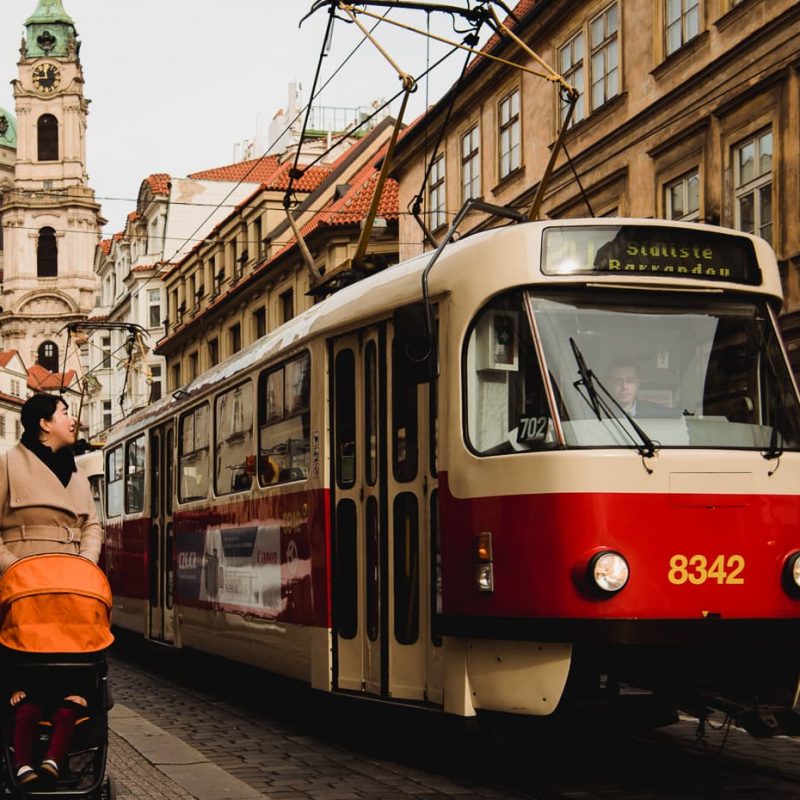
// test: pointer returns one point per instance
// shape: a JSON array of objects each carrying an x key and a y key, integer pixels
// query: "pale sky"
[{"x": 174, "y": 84}]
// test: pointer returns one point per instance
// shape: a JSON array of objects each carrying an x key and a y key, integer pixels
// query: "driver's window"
[{"x": 507, "y": 408}]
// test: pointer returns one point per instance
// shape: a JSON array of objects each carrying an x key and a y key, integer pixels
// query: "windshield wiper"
[
  {"x": 598, "y": 403},
  {"x": 586, "y": 380}
]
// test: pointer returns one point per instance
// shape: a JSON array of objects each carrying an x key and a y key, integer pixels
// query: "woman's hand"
[{"x": 17, "y": 697}]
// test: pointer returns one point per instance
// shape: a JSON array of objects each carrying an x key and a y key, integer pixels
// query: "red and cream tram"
[{"x": 512, "y": 534}]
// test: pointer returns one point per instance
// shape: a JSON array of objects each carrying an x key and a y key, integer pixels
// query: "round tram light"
[
  {"x": 608, "y": 571},
  {"x": 791, "y": 574}
]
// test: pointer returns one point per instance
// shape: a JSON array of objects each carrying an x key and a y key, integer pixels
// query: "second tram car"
[{"x": 558, "y": 465}]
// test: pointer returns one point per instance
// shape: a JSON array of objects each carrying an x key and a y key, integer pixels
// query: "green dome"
[{"x": 8, "y": 130}]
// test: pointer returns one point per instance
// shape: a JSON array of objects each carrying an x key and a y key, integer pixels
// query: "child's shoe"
[
  {"x": 49, "y": 767},
  {"x": 26, "y": 775}
]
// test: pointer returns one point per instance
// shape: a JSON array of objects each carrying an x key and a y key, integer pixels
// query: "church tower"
[{"x": 51, "y": 221}]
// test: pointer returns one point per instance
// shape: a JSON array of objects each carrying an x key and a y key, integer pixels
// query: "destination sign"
[{"x": 649, "y": 251}]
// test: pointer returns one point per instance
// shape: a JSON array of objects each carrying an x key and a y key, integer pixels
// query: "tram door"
[
  {"x": 380, "y": 565},
  {"x": 161, "y": 570}
]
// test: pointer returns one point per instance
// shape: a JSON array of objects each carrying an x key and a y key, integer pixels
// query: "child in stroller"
[
  {"x": 54, "y": 629},
  {"x": 30, "y": 712}
]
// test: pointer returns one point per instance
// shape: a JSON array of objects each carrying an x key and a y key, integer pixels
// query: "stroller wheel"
[{"x": 108, "y": 791}]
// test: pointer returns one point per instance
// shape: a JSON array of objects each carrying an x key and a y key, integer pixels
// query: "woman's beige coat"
[{"x": 38, "y": 515}]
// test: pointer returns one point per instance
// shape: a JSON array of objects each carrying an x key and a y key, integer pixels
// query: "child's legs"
[
  {"x": 63, "y": 725},
  {"x": 26, "y": 721}
]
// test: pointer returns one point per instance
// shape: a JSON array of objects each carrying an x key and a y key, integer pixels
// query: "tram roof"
[{"x": 509, "y": 251}]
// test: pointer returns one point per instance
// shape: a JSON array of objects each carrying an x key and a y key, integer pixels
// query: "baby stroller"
[{"x": 55, "y": 613}]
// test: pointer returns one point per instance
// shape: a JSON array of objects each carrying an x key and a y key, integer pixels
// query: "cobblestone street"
[{"x": 203, "y": 728}]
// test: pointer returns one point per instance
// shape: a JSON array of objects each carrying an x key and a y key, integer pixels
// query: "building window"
[
  {"x": 105, "y": 346},
  {"x": 436, "y": 200},
  {"x": 176, "y": 376},
  {"x": 2, "y": 425},
  {"x": 48, "y": 356},
  {"x": 259, "y": 323},
  {"x": 286, "y": 301},
  {"x": 471, "y": 164},
  {"x": 753, "y": 185},
  {"x": 193, "y": 370},
  {"x": 46, "y": 253},
  {"x": 154, "y": 307},
  {"x": 17, "y": 429},
  {"x": 510, "y": 134},
  {"x": 605, "y": 56},
  {"x": 106, "y": 414},
  {"x": 213, "y": 352},
  {"x": 47, "y": 132},
  {"x": 682, "y": 23},
  {"x": 570, "y": 59},
  {"x": 15, "y": 387},
  {"x": 682, "y": 198},
  {"x": 155, "y": 386},
  {"x": 235, "y": 333}
]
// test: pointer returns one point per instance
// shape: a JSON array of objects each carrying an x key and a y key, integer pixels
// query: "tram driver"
[{"x": 624, "y": 385}]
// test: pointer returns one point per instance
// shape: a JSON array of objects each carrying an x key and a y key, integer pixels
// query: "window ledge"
[
  {"x": 734, "y": 15},
  {"x": 609, "y": 107},
  {"x": 680, "y": 56},
  {"x": 510, "y": 178}
]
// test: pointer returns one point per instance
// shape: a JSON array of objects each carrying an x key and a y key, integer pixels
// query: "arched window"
[
  {"x": 47, "y": 128},
  {"x": 48, "y": 356},
  {"x": 47, "y": 254}
]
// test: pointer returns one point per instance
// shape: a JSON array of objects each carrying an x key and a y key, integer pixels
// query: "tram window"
[
  {"x": 373, "y": 568},
  {"x": 234, "y": 464},
  {"x": 406, "y": 568},
  {"x": 114, "y": 482},
  {"x": 193, "y": 459},
  {"x": 371, "y": 415},
  {"x": 345, "y": 431},
  {"x": 155, "y": 460},
  {"x": 170, "y": 467},
  {"x": 507, "y": 407},
  {"x": 284, "y": 422},
  {"x": 345, "y": 606},
  {"x": 405, "y": 423},
  {"x": 436, "y": 563},
  {"x": 134, "y": 475}
]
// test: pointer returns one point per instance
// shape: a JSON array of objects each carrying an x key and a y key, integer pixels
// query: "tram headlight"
[
  {"x": 608, "y": 571},
  {"x": 791, "y": 575}
]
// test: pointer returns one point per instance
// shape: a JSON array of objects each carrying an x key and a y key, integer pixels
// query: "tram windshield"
[{"x": 629, "y": 369}]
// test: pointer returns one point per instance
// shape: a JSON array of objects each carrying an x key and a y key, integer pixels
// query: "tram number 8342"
[{"x": 696, "y": 569}]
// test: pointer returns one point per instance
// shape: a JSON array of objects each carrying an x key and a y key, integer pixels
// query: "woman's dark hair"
[{"x": 40, "y": 406}]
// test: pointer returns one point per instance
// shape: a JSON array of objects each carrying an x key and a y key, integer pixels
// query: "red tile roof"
[
  {"x": 257, "y": 170},
  {"x": 354, "y": 205},
  {"x": 267, "y": 171},
  {"x": 310, "y": 180},
  {"x": 519, "y": 11},
  {"x": 134, "y": 215},
  {"x": 6, "y": 356},
  {"x": 159, "y": 182},
  {"x": 105, "y": 246},
  {"x": 40, "y": 378}
]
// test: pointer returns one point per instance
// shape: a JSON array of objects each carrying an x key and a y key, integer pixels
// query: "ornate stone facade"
[{"x": 51, "y": 221}]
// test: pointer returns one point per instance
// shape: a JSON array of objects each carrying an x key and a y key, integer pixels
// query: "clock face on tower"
[{"x": 46, "y": 78}]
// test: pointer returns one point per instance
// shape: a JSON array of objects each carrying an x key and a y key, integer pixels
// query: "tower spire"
[{"x": 50, "y": 31}]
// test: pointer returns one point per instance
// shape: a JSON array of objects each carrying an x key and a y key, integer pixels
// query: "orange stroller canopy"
[{"x": 55, "y": 603}]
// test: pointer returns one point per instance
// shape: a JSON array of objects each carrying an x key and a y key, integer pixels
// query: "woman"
[{"x": 46, "y": 503}]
